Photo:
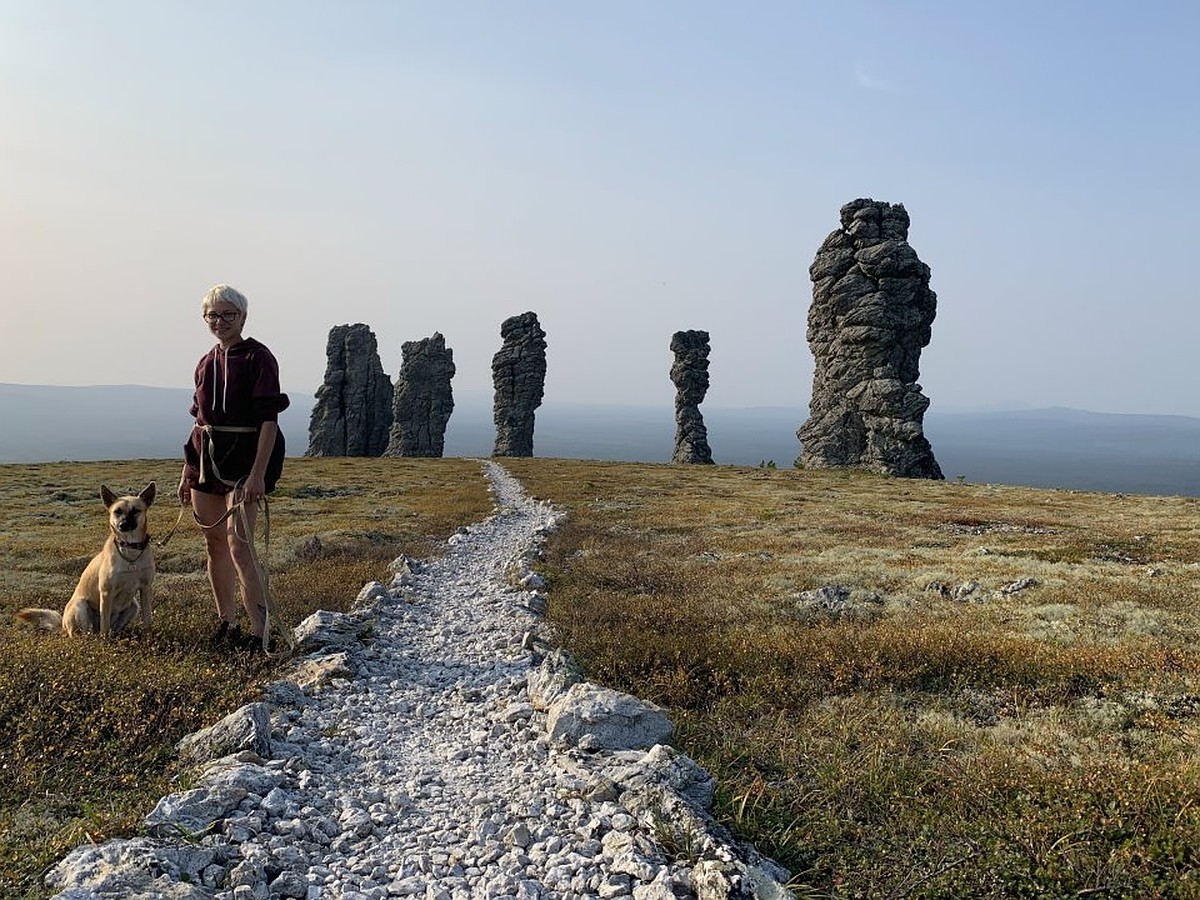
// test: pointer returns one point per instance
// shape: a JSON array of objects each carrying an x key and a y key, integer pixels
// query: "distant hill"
[
  {"x": 1056, "y": 448},
  {"x": 1070, "y": 448}
]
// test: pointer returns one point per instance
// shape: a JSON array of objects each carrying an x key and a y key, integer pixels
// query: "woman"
[{"x": 234, "y": 454}]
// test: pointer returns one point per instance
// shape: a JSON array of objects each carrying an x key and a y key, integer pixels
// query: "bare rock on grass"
[
  {"x": 285, "y": 693},
  {"x": 1019, "y": 585},
  {"x": 670, "y": 796},
  {"x": 718, "y": 880},
  {"x": 836, "y": 601},
  {"x": 965, "y": 589},
  {"x": 247, "y": 728},
  {"x": 315, "y": 672},
  {"x": 136, "y": 868},
  {"x": 664, "y": 766},
  {"x": 373, "y": 593},
  {"x": 592, "y": 717},
  {"x": 224, "y": 785},
  {"x": 689, "y": 372},
  {"x": 552, "y": 679},
  {"x": 423, "y": 399},
  {"x": 325, "y": 629}
]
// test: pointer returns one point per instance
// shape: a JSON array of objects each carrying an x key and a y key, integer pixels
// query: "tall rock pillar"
[
  {"x": 689, "y": 372},
  {"x": 353, "y": 411},
  {"x": 422, "y": 401},
  {"x": 519, "y": 379},
  {"x": 871, "y": 313}
]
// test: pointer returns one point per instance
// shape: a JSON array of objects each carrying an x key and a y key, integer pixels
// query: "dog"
[{"x": 118, "y": 582}]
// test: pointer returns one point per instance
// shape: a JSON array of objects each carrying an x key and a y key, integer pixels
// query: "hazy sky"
[{"x": 623, "y": 169}]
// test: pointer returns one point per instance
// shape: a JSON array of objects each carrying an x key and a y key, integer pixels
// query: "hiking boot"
[
  {"x": 223, "y": 633},
  {"x": 249, "y": 642}
]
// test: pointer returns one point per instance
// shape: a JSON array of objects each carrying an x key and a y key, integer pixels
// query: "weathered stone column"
[
  {"x": 353, "y": 411},
  {"x": 871, "y": 313},
  {"x": 422, "y": 402},
  {"x": 519, "y": 379},
  {"x": 689, "y": 372}
]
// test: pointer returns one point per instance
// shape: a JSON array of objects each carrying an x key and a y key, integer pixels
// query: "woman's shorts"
[{"x": 232, "y": 457}]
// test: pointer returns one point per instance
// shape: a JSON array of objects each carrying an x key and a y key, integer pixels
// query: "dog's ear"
[
  {"x": 148, "y": 494},
  {"x": 107, "y": 496}
]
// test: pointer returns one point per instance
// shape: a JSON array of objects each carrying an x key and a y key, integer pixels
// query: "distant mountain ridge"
[{"x": 1052, "y": 448}]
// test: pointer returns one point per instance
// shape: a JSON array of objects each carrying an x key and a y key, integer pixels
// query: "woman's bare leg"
[
  {"x": 222, "y": 573},
  {"x": 249, "y": 575}
]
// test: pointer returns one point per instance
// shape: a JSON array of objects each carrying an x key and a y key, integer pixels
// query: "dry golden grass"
[
  {"x": 923, "y": 740},
  {"x": 90, "y": 726}
]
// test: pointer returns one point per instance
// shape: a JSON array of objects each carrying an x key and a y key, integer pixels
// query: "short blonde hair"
[{"x": 220, "y": 292}]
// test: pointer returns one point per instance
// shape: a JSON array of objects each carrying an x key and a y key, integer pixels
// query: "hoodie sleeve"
[
  {"x": 266, "y": 400},
  {"x": 198, "y": 377}
]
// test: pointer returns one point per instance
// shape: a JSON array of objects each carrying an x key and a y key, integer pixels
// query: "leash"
[
  {"x": 205, "y": 453},
  {"x": 171, "y": 533},
  {"x": 272, "y": 621}
]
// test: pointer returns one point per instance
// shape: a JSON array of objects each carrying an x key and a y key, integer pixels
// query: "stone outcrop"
[
  {"x": 246, "y": 728},
  {"x": 137, "y": 869},
  {"x": 519, "y": 379},
  {"x": 593, "y": 717},
  {"x": 689, "y": 372},
  {"x": 224, "y": 784},
  {"x": 422, "y": 401},
  {"x": 556, "y": 674},
  {"x": 353, "y": 411},
  {"x": 871, "y": 313}
]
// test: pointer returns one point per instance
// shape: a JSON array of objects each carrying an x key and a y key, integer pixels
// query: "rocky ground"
[{"x": 431, "y": 745}]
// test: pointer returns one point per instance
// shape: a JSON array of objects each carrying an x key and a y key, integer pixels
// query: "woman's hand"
[
  {"x": 184, "y": 492},
  {"x": 254, "y": 488}
]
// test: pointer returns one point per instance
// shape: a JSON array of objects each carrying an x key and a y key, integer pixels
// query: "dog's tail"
[{"x": 45, "y": 619}]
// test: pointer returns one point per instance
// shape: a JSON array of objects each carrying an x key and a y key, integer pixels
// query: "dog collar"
[{"x": 139, "y": 546}]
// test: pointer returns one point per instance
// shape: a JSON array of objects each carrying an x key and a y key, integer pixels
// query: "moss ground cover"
[{"x": 1001, "y": 700}]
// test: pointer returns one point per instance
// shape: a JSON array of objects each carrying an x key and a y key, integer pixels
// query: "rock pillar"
[
  {"x": 422, "y": 401},
  {"x": 519, "y": 379},
  {"x": 689, "y": 372},
  {"x": 353, "y": 411},
  {"x": 871, "y": 313}
]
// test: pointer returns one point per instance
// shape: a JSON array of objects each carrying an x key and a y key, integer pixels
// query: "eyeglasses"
[{"x": 213, "y": 317}]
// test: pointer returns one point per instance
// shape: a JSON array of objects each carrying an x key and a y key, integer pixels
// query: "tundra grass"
[
  {"x": 1001, "y": 700},
  {"x": 90, "y": 726}
]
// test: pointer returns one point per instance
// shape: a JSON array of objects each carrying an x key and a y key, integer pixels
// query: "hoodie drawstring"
[{"x": 224, "y": 354}]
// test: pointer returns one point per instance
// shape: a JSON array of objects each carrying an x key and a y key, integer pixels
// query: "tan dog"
[{"x": 118, "y": 577}]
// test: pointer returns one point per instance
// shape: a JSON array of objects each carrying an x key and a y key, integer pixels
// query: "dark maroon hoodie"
[{"x": 238, "y": 386}]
